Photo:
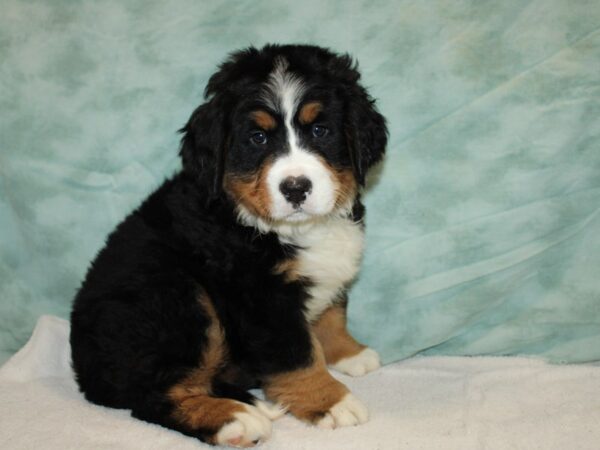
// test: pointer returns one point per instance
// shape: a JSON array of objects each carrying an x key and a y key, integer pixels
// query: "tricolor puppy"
[{"x": 233, "y": 274}]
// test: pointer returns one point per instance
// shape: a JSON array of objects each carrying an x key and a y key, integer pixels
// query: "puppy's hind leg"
[
  {"x": 215, "y": 420},
  {"x": 200, "y": 405},
  {"x": 271, "y": 410}
]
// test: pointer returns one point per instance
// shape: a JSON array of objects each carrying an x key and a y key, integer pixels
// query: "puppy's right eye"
[{"x": 259, "y": 137}]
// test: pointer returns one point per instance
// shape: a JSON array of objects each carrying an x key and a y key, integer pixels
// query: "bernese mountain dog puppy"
[{"x": 233, "y": 274}]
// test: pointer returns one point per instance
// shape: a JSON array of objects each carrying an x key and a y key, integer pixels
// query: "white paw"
[
  {"x": 271, "y": 410},
  {"x": 246, "y": 430},
  {"x": 347, "y": 412},
  {"x": 364, "y": 362}
]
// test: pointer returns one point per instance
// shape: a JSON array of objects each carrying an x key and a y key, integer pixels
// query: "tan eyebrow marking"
[
  {"x": 309, "y": 112},
  {"x": 264, "y": 120}
]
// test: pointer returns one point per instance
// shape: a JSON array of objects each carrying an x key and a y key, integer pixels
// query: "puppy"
[{"x": 233, "y": 274}]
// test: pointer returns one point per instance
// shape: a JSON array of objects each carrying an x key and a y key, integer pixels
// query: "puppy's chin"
[
  {"x": 292, "y": 224},
  {"x": 299, "y": 215},
  {"x": 300, "y": 219}
]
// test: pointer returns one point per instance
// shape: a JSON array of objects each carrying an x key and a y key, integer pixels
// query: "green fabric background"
[{"x": 483, "y": 225}]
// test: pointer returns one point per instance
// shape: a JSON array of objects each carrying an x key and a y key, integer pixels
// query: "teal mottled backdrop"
[{"x": 483, "y": 226}]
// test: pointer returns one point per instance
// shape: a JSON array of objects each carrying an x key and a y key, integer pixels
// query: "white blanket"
[{"x": 422, "y": 403}]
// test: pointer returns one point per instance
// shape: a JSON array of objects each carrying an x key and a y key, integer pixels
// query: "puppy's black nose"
[{"x": 295, "y": 189}]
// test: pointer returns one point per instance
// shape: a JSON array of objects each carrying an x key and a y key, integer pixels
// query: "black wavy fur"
[{"x": 137, "y": 325}]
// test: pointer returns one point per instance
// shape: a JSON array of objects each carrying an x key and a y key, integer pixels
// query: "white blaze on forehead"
[{"x": 284, "y": 92}]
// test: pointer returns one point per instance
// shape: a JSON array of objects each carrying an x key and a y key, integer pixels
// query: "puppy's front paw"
[
  {"x": 247, "y": 429},
  {"x": 360, "y": 364},
  {"x": 347, "y": 412}
]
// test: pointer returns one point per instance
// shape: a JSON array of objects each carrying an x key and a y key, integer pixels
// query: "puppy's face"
[
  {"x": 288, "y": 159},
  {"x": 287, "y": 133}
]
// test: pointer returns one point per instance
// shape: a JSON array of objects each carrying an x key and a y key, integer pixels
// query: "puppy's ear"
[
  {"x": 206, "y": 135},
  {"x": 366, "y": 132},
  {"x": 203, "y": 144}
]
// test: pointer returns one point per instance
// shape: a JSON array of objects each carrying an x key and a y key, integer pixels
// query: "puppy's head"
[{"x": 287, "y": 133}]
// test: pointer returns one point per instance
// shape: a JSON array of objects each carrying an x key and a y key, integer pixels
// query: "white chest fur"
[{"x": 330, "y": 256}]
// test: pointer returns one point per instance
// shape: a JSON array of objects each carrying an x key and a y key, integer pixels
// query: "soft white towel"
[{"x": 422, "y": 403}]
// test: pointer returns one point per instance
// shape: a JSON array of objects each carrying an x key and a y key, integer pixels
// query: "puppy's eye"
[
  {"x": 259, "y": 137},
  {"x": 319, "y": 131}
]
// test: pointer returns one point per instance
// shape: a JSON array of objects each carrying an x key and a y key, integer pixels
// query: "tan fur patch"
[
  {"x": 333, "y": 335},
  {"x": 264, "y": 120},
  {"x": 308, "y": 393},
  {"x": 215, "y": 354},
  {"x": 202, "y": 411},
  {"x": 345, "y": 185},
  {"x": 251, "y": 191},
  {"x": 344, "y": 182},
  {"x": 289, "y": 269},
  {"x": 309, "y": 112},
  {"x": 194, "y": 407}
]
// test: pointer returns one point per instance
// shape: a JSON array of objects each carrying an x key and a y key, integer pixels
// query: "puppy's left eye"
[
  {"x": 319, "y": 131},
  {"x": 259, "y": 137}
]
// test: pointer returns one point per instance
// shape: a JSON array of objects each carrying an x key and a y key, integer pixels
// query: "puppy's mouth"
[
  {"x": 300, "y": 212},
  {"x": 299, "y": 215}
]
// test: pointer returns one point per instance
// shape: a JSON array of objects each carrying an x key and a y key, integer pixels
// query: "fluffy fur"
[{"x": 233, "y": 273}]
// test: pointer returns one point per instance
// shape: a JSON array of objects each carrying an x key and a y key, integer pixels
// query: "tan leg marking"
[
  {"x": 232, "y": 423},
  {"x": 194, "y": 407},
  {"x": 197, "y": 410},
  {"x": 213, "y": 356},
  {"x": 308, "y": 393},
  {"x": 331, "y": 332}
]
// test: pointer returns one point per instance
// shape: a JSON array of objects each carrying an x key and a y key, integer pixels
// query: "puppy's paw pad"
[
  {"x": 247, "y": 429},
  {"x": 360, "y": 364},
  {"x": 348, "y": 412},
  {"x": 271, "y": 410}
]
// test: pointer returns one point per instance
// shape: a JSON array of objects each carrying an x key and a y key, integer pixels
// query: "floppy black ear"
[
  {"x": 203, "y": 144},
  {"x": 206, "y": 134},
  {"x": 366, "y": 132}
]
